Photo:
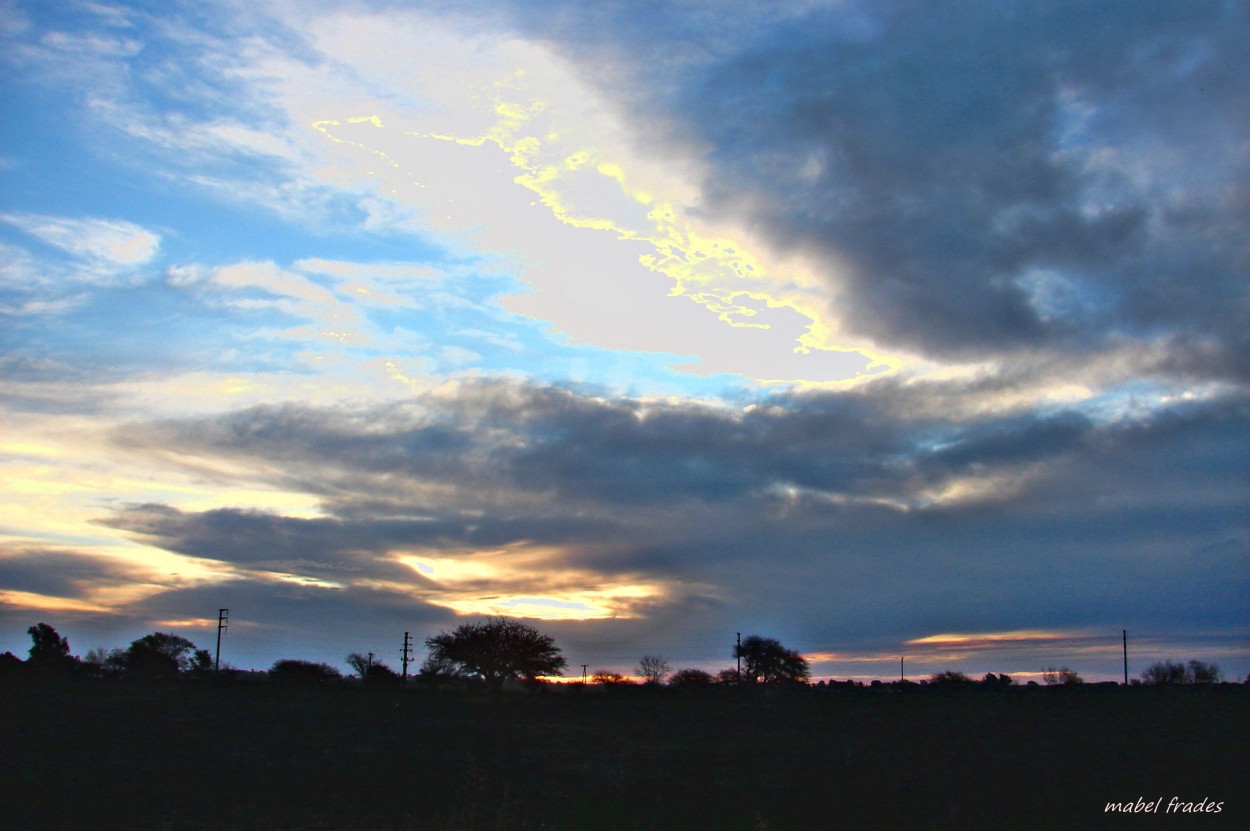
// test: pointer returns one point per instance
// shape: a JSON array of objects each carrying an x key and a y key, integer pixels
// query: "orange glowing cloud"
[
  {"x": 528, "y": 581},
  {"x": 987, "y": 639}
]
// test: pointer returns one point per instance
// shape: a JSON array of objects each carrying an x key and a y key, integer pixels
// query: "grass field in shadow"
[{"x": 204, "y": 756}]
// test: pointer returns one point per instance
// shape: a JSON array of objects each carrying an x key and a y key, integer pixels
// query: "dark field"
[{"x": 197, "y": 756}]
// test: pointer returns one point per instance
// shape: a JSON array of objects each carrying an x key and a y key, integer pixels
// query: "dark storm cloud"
[
  {"x": 991, "y": 177},
  {"x": 61, "y": 572},
  {"x": 828, "y": 506},
  {"x": 346, "y": 546},
  {"x": 525, "y": 451}
]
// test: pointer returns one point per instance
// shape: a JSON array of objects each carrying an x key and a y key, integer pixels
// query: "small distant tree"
[
  {"x": 360, "y": 664},
  {"x": 1052, "y": 676},
  {"x": 48, "y": 650},
  {"x": 304, "y": 673},
  {"x": 950, "y": 678},
  {"x": 691, "y": 678},
  {"x": 1168, "y": 672},
  {"x": 765, "y": 660},
  {"x": 653, "y": 669},
  {"x": 992, "y": 680},
  {"x": 498, "y": 649},
  {"x": 608, "y": 678},
  {"x": 730, "y": 677},
  {"x": 1164, "y": 672},
  {"x": 1204, "y": 673}
]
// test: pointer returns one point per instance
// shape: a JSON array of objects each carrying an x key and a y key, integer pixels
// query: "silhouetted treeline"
[{"x": 503, "y": 653}]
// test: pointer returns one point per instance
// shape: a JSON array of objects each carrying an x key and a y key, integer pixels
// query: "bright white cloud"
[{"x": 102, "y": 248}]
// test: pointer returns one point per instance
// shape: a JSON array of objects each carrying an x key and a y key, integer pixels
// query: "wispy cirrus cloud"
[{"x": 101, "y": 249}]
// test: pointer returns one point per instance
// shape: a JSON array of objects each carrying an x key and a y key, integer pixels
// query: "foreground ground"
[{"x": 198, "y": 756}]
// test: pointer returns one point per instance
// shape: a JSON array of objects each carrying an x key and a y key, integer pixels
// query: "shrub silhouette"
[
  {"x": 950, "y": 678},
  {"x": 295, "y": 672},
  {"x": 380, "y": 675},
  {"x": 691, "y": 678}
]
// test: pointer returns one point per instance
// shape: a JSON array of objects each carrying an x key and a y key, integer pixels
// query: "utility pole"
[
  {"x": 901, "y": 676},
  {"x": 1124, "y": 633},
  {"x": 738, "y": 653},
  {"x": 223, "y": 618},
  {"x": 368, "y": 664},
  {"x": 407, "y": 654}
]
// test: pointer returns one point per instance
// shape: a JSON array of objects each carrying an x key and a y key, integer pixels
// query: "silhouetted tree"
[
  {"x": 438, "y": 670},
  {"x": 498, "y": 649},
  {"x": 291, "y": 671},
  {"x": 360, "y": 664},
  {"x": 992, "y": 680},
  {"x": 653, "y": 669},
  {"x": 950, "y": 678},
  {"x": 1167, "y": 672},
  {"x": 1062, "y": 675},
  {"x": 161, "y": 655},
  {"x": 691, "y": 678},
  {"x": 49, "y": 652},
  {"x": 608, "y": 678},
  {"x": 372, "y": 671},
  {"x": 766, "y": 660},
  {"x": 380, "y": 675},
  {"x": 1204, "y": 673}
]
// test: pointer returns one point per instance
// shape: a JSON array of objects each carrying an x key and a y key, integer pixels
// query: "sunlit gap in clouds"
[
  {"x": 535, "y": 156},
  {"x": 531, "y": 582}
]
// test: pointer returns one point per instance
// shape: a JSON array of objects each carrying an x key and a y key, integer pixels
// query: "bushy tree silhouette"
[
  {"x": 765, "y": 660},
  {"x": 498, "y": 649},
  {"x": 437, "y": 670},
  {"x": 950, "y": 678},
  {"x": 161, "y": 655},
  {"x": 691, "y": 678},
  {"x": 1169, "y": 672},
  {"x": 608, "y": 678},
  {"x": 49, "y": 652},
  {"x": 1204, "y": 673}
]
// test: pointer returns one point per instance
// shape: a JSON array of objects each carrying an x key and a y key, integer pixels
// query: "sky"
[{"x": 891, "y": 330}]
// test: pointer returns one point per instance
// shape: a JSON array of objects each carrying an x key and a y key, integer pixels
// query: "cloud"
[
  {"x": 102, "y": 249},
  {"x": 973, "y": 183},
  {"x": 859, "y": 518}
]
